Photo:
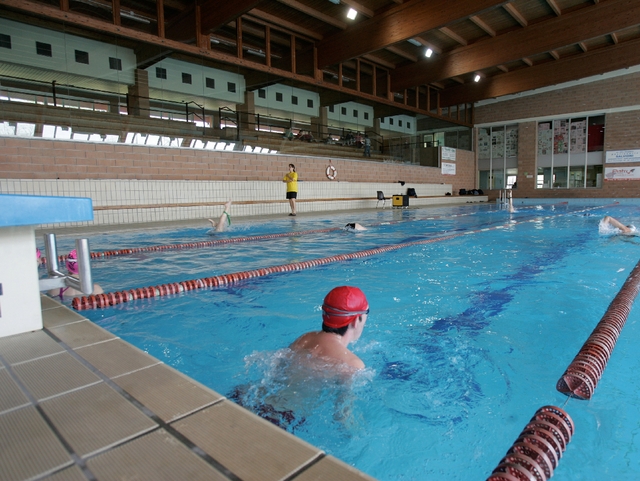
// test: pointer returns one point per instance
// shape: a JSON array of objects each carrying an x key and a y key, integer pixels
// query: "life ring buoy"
[{"x": 332, "y": 173}]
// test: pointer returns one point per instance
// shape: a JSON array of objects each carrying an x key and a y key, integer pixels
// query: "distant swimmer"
[
  {"x": 354, "y": 226},
  {"x": 224, "y": 219},
  {"x": 72, "y": 268},
  {"x": 609, "y": 223},
  {"x": 344, "y": 313}
]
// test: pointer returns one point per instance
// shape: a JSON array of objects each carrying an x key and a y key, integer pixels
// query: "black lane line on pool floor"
[{"x": 114, "y": 298}]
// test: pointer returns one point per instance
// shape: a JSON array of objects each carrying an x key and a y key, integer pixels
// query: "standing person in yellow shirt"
[{"x": 292, "y": 187}]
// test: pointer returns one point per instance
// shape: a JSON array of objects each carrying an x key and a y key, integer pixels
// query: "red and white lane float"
[
  {"x": 582, "y": 376},
  {"x": 538, "y": 449},
  {"x": 114, "y": 298}
]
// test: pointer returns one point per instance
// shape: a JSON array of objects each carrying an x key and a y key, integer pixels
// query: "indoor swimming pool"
[{"x": 475, "y": 313}]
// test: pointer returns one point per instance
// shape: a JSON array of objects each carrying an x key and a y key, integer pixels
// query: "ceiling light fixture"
[
  {"x": 428, "y": 53},
  {"x": 352, "y": 14},
  {"x": 477, "y": 78}
]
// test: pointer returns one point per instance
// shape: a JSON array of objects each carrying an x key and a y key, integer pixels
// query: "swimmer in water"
[
  {"x": 72, "y": 267},
  {"x": 224, "y": 217},
  {"x": 610, "y": 222},
  {"x": 354, "y": 226},
  {"x": 344, "y": 313}
]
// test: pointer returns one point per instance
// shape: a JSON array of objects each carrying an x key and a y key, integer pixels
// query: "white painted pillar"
[{"x": 20, "y": 309}]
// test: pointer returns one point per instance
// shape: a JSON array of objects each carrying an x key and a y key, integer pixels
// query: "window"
[
  {"x": 570, "y": 153},
  {"x": 115, "y": 63},
  {"x": 294, "y": 100},
  {"x": 331, "y": 108},
  {"x": 5, "y": 40},
  {"x": 82, "y": 57},
  {"x": 186, "y": 78},
  {"x": 262, "y": 93},
  {"x": 278, "y": 97},
  {"x": 390, "y": 121},
  {"x": 44, "y": 49},
  {"x": 231, "y": 87},
  {"x": 310, "y": 103},
  {"x": 343, "y": 110},
  {"x": 161, "y": 73},
  {"x": 355, "y": 114},
  {"x": 210, "y": 83},
  {"x": 408, "y": 125},
  {"x": 399, "y": 123},
  {"x": 366, "y": 115}
]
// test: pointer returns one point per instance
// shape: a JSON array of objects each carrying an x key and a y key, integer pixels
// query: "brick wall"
[
  {"x": 618, "y": 98},
  {"x": 46, "y": 159}
]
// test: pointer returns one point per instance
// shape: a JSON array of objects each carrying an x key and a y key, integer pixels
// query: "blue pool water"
[{"x": 466, "y": 338}]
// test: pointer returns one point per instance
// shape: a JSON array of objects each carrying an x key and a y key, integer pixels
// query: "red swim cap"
[{"x": 343, "y": 305}]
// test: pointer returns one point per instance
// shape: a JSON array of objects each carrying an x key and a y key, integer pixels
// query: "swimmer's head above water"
[
  {"x": 344, "y": 313},
  {"x": 354, "y": 226}
]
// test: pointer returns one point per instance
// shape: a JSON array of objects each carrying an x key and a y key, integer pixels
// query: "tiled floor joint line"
[
  {"x": 33, "y": 401},
  {"x": 198, "y": 409},
  {"x": 134, "y": 370},
  {"x": 302, "y": 469},
  {"x": 147, "y": 412}
]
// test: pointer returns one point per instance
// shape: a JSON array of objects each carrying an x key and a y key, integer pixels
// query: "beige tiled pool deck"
[{"x": 78, "y": 403}]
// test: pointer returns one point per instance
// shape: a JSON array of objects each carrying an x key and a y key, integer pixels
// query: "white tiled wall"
[{"x": 135, "y": 201}]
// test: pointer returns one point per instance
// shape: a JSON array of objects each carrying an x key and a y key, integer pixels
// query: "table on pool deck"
[{"x": 20, "y": 309}]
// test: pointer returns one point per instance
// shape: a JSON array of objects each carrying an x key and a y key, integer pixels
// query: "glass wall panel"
[{"x": 567, "y": 147}]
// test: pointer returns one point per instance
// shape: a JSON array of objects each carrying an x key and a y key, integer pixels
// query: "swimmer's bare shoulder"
[{"x": 325, "y": 346}]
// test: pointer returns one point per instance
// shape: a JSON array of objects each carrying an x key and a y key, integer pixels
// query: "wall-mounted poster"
[
  {"x": 578, "y": 136},
  {"x": 484, "y": 144},
  {"x": 511, "y": 143},
  {"x": 448, "y": 169},
  {"x": 497, "y": 144},
  {"x": 560, "y": 137},
  {"x": 545, "y": 138},
  {"x": 619, "y": 156},
  {"x": 621, "y": 173},
  {"x": 448, "y": 153}
]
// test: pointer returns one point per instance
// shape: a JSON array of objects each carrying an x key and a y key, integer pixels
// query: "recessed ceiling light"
[
  {"x": 428, "y": 53},
  {"x": 352, "y": 14},
  {"x": 477, "y": 78}
]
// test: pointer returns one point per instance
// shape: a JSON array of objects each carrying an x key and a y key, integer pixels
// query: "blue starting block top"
[{"x": 17, "y": 210}]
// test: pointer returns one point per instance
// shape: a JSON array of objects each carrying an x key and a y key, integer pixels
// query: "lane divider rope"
[
  {"x": 114, "y": 298},
  {"x": 232, "y": 240},
  {"x": 538, "y": 449},
  {"x": 581, "y": 376}
]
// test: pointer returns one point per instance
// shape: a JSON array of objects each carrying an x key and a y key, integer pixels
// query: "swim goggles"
[{"x": 334, "y": 311}]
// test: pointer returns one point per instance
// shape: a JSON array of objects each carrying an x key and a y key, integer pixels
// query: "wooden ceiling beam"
[
  {"x": 401, "y": 53},
  {"x": 215, "y": 14},
  {"x": 478, "y": 21},
  {"x": 554, "y": 6},
  {"x": 517, "y": 16},
  {"x": 569, "y": 29},
  {"x": 595, "y": 62},
  {"x": 334, "y": 22},
  {"x": 453, "y": 35},
  {"x": 394, "y": 25},
  {"x": 614, "y": 38},
  {"x": 288, "y": 26},
  {"x": 358, "y": 7},
  {"x": 554, "y": 54}
]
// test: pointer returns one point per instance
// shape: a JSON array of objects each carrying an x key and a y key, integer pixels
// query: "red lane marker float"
[
  {"x": 539, "y": 447},
  {"x": 582, "y": 376},
  {"x": 104, "y": 300}
]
